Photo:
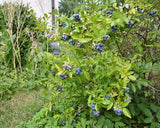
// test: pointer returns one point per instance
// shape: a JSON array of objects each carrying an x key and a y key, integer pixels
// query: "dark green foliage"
[{"x": 68, "y": 6}]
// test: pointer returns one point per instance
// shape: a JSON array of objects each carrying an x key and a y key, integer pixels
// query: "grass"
[{"x": 21, "y": 107}]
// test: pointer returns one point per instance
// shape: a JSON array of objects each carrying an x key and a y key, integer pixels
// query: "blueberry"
[
  {"x": 109, "y": 13},
  {"x": 59, "y": 88},
  {"x": 73, "y": 121},
  {"x": 114, "y": 28},
  {"x": 87, "y": 57},
  {"x": 53, "y": 73},
  {"x": 92, "y": 106},
  {"x": 108, "y": 96},
  {"x": 96, "y": 113},
  {"x": 64, "y": 37},
  {"x": 73, "y": 28},
  {"x": 77, "y": 114},
  {"x": 129, "y": 24},
  {"x": 78, "y": 71},
  {"x": 72, "y": 41},
  {"x": 64, "y": 24},
  {"x": 152, "y": 13},
  {"x": 127, "y": 90},
  {"x": 63, "y": 123},
  {"x": 105, "y": 37},
  {"x": 76, "y": 17},
  {"x": 118, "y": 111}
]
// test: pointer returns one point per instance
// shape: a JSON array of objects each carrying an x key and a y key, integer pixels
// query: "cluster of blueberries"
[
  {"x": 99, "y": 47},
  {"x": 152, "y": 13},
  {"x": 78, "y": 44},
  {"x": 77, "y": 17},
  {"x": 64, "y": 76},
  {"x": 78, "y": 71},
  {"x": 71, "y": 41},
  {"x": 129, "y": 25},
  {"x": 67, "y": 67},
  {"x": 118, "y": 111},
  {"x": 94, "y": 110},
  {"x": 64, "y": 37}
]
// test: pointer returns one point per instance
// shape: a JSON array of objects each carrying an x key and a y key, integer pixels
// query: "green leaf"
[
  {"x": 125, "y": 103},
  {"x": 119, "y": 124},
  {"x": 126, "y": 112},
  {"x": 133, "y": 78},
  {"x": 153, "y": 107},
  {"x": 109, "y": 106},
  {"x": 133, "y": 88},
  {"x": 158, "y": 115},
  {"x": 147, "y": 112},
  {"x": 148, "y": 120}
]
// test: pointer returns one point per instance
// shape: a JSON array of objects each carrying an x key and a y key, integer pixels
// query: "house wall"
[{"x": 40, "y": 6}]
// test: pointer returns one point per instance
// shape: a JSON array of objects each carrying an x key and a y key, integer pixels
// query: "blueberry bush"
[{"x": 104, "y": 72}]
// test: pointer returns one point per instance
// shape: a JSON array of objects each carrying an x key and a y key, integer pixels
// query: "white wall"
[{"x": 40, "y": 6}]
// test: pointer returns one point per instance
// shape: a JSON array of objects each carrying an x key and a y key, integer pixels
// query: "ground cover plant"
[{"x": 104, "y": 75}]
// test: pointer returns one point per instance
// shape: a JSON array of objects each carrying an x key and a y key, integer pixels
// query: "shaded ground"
[{"x": 21, "y": 107}]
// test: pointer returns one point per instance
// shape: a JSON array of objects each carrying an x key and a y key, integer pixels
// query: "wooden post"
[{"x": 53, "y": 9}]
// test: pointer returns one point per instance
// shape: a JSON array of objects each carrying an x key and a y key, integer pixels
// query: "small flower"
[
  {"x": 76, "y": 17},
  {"x": 105, "y": 37}
]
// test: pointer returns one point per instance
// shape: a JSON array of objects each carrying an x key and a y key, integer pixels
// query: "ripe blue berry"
[
  {"x": 105, "y": 37},
  {"x": 108, "y": 96},
  {"x": 64, "y": 37},
  {"x": 92, "y": 106},
  {"x": 152, "y": 13},
  {"x": 59, "y": 88},
  {"x": 72, "y": 41},
  {"x": 78, "y": 71},
  {"x": 118, "y": 111},
  {"x": 73, "y": 121},
  {"x": 96, "y": 113},
  {"x": 87, "y": 57},
  {"x": 53, "y": 73},
  {"x": 63, "y": 123},
  {"x": 114, "y": 28},
  {"x": 109, "y": 13},
  {"x": 77, "y": 114},
  {"x": 76, "y": 17},
  {"x": 129, "y": 24},
  {"x": 127, "y": 90}
]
